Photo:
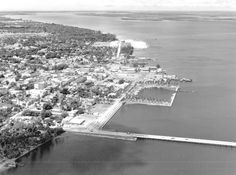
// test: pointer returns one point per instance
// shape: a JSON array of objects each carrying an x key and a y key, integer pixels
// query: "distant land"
[{"x": 147, "y": 15}]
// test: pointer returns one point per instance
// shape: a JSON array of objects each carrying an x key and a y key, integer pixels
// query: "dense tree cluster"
[
  {"x": 30, "y": 113},
  {"x": 127, "y": 49},
  {"x": 60, "y": 66},
  {"x": 99, "y": 54},
  {"x": 46, "y": 114},
  {"x": 59, "y": 41},
  {"x": 47, "y": 106},
  {"x": 20, "y": 138},
  {"x": 5, "y": 113}
]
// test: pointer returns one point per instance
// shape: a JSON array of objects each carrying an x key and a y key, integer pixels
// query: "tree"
[
  {"x": 30, "y": 113},
  {"x": 12, "y": 84},
  {"x": 18, "y": 76},
  {"x": 121, "y": 81},
  {"x": 65, "y": 91},
  {"x": 46, "y": 114},
  {"x": 66, "y": 107},
  {"x": 60, "y": 66},
  {"x": 64, "y": 114},
  {"x": 80, "y": 111},
  {"x": 51, "y": 55},
  {"x": 47, "y": 106},
  {"x": 75, "y": 103},
  {"x": 29, "y": 86},
  {"x": 158, "y": 66},
  {"x": 54, "y": 100}
]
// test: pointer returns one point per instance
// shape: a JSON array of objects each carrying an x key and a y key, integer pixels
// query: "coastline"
[
  {"x": 97, "y": 124},
  {"x": 198, "y": 112},
  {"x": 12, "y": 163},
  {"x": 137, "y": 44},
  {"x": 6, "y": 163}
]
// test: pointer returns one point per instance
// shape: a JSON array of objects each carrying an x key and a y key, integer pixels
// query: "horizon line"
[{"x": 160, "y": 10}]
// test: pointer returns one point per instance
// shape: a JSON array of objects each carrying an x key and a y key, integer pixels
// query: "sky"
[{"x": 67, "y": 5}]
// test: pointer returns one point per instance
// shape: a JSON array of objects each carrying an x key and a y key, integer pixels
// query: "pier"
[
  {"x": 105, "y": 134},
  {"x": 110, "y": 113},
  {"x": 135, "y": 137}
]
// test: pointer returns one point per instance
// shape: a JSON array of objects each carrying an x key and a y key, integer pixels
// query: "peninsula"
[{"x": 56, "y": 78}]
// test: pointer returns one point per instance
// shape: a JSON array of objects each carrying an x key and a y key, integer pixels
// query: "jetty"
[{"x": 136, "y": 136}]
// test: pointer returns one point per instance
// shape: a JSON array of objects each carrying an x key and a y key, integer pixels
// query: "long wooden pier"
[
  {"x": 186, "y": 140},
  {"x": 135, "y": 136}
]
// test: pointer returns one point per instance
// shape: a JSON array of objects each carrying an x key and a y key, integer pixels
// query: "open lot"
[{"x": 100, "y": 108}]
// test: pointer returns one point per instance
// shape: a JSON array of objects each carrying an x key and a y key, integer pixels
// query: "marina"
[
  {"x": 94, "y": 128},
  {"x": 153, "y": 101}
]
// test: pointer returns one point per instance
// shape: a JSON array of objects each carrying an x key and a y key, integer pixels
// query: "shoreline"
[
  {"x": 13, "y": 161},
  {"x": 144, "y": 44},
  {"x": 95, "y": 124},
  {"x": 9, "y": 163}
]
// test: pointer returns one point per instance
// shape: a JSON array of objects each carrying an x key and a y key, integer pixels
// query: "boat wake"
[{"x": 137, "y": 44}]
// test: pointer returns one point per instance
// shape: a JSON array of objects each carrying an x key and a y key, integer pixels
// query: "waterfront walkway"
[
  {"x": 110, "y": 113},
  {"x": 135, "y": 136}
]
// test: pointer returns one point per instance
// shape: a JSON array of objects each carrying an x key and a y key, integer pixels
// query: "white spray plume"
[
  {"x": 134, "y": 44},
  {"x": 137, "y": 44}
]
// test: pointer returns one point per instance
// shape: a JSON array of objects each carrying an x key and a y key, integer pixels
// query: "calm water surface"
[{"x": 203, "y": 51}]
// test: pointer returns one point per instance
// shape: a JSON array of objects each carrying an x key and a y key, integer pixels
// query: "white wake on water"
[{"x": 135, "y": 44}]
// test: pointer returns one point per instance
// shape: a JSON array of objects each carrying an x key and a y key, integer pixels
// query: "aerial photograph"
[{"x": 118, "y": 87}]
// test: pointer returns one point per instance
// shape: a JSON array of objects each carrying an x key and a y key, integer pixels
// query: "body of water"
[{"x": 201, "y": 50}]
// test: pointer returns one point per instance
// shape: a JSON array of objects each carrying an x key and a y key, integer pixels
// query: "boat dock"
[{"x": 136, "y": 136}]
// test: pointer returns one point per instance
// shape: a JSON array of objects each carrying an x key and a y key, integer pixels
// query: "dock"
[{"x": 136, "y": 136}]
